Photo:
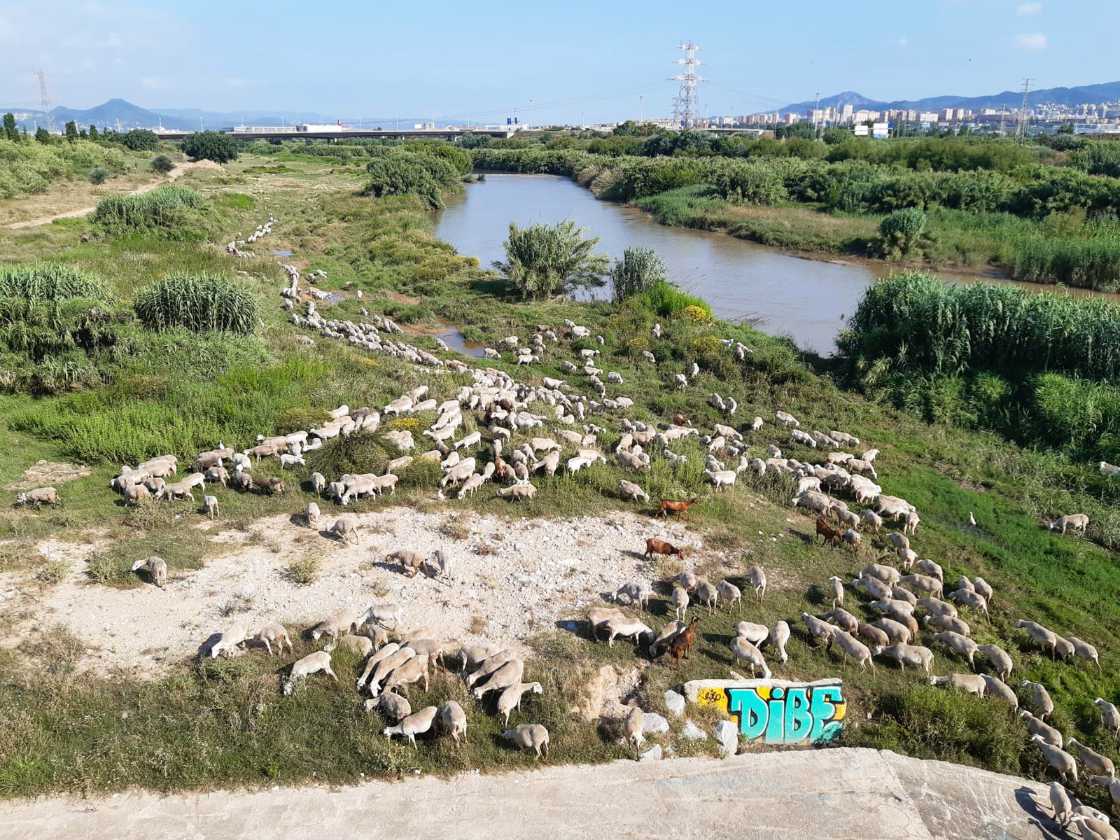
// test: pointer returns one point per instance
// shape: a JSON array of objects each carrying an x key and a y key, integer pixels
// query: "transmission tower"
[
  {"x": 686, "y": 105},
  {"x": 1023, "y": 109},
  {"x": 44, "y": 98}
]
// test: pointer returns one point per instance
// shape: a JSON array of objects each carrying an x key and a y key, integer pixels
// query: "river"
[{"x": 781, "y": 294}]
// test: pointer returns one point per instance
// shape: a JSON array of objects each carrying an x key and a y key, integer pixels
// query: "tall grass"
[
  {"x": 1089, "y": 263},
  {"x": 49, "y": 281},
  {"x": 668, "y": 300},
  {"x": 161, "y": 210},
  {"x": 201, "y": 303},
  {"x": 919, "y": 323}
]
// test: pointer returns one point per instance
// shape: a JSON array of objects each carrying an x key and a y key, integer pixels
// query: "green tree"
[
  {"x": 42, "y": 135},
  {"x": 71, "y": 131},
  {"x": 211, "y": 145},
  {"x": 638, "y": 270},
  {"x": 10, "y": 130},
  {"x": 549, "y": 260},
  {"x": 98, "y": 175},
  {"x": 93, "y": 135},
  {"x": 140, "y": 140}
]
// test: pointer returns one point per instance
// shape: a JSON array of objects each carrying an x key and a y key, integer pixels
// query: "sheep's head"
[
  {"x": 22, "y": 499},
  {"x": 288, "y": 687},
  {"x": 138, "y": 565}
]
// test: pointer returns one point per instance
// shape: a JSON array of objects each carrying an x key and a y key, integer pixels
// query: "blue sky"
[{"x": 557, "y": 61}]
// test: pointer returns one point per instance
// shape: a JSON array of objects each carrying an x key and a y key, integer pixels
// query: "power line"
[
  {"x": 1023, "y": 109},
  {"x": 686, "y": 106}
]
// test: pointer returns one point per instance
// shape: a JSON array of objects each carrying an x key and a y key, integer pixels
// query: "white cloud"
[
  {"x": 1032, "y": 41},
  {"x": 1028, "y": 9}
]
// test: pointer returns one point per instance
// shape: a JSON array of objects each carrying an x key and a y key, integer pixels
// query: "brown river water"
[{"x": 782, "y": 294}]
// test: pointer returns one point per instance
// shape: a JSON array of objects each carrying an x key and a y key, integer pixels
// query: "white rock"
[
  {"x": 728, "y": 736},
  {"x": 674, "y": 703},
  {"x": 654, "y": 724},
  {"x": 691, "y": 732},
  {"x": 652, "y": 754}
]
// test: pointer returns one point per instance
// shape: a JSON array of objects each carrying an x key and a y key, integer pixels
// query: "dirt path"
[
  {"x": 841, "y": 794},
  {"x": 510, "y": 579},
  {"x": 179, "y": 170}
]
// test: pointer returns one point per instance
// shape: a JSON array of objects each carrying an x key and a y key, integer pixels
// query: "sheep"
[
  {"x": 928, "y": 567},
  {"x": 1042, "y": 636},
  {"x": 897, "y": 632},
  {"x": 137, "y": 493},
  {"x": 508, "y": 674},
  {"x": 967, "y": 598},
  {"x": 360, "y": 645},
  {"x": 529, "y": 736},
  {"x": 156, "y": 569},
  {"x": 632, "y": 492},
  {"x": 312, "y": 516},
  {"x": 886, "y": 574},
  {"x": 374, "y": 660},
  {"x": 497, "y": 660},
  {"x": 914, "y": 655},
  {"x": 707, "y": 594},
  {"x": 392, "y": 706},
  {"x": 874, "y": 635},
  {"x": 345, "y": 529},
  {"x": 728, "y": 591},
  {"x": 270, "y": 633},
  {"x": 1084, "y": 650},
  {"x": 998, "y": 658},
  {"x": 871, "y": 520},
  {"x": 510, "y": 698},
  {"x": 336, "y": 624},
  {"x": 958, "y": 644},
  {"x": 210, "y": 506},
  {"x": 632, "y": 727},
  {"x": 625, "y": 629},
  {"x": 935, "y": 606},
  {"x": 818, "y": 630},
  {"x": 518, "y": 492},
  {"x": 850, "y": 646},
  {"x": 941, "y": 621},
  {"x": 1037, "y": 726},
  {"x": 410, "y": 671},
  {"x": 229, "y": 640},
  {"x": 1092, "y": 824},
  {"x": 1057, "y": 758},
  {"x": 453, "y": 720},
  {"x": 968, "y": 683},
  {"x": 1077, "y": 521},
  {"x": 384, "y": 666},
  {"x": 852, "y": 539},
  {"x": 410, "y": 561},
  {"x": 415, "y": 724},
  {"x": 39, "y": 496},
  {"x": 680, "y": 603},
  {"x": 983, "y": 588},
  {"x": 999, "y": 689},
  {"x": 1110, "y": 717},
  {"x": 756, "y": 634},
  {"x": 756, "y": 577},
  {"x": 872, "y": 586},
  {"x": 1094, "y": 762},
  {"x": 747, "y": 652},
  {"x": 1039, "y": 699},
  {"x": 313, "y": 663},
  {"x": 779, "y": 636},
  {"x": 288, "y": 461}
]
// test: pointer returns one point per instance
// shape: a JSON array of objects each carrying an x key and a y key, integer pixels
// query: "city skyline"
[{"x": 590, "y": 64}]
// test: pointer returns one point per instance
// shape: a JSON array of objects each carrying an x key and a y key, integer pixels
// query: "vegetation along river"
[{"x": 804, "y": 299}]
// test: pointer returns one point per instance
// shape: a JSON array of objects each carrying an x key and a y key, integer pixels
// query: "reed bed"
[{"x": 202, "y": 303}]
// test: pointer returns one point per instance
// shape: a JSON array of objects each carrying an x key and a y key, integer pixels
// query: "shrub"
[
  {"x": 396, "y": 175},
  {"x": 638, "y": 270},
  {"x": 211, "y": 145},
  {"x": 162, "y": 164},
  {"x": 140, "y": 140},
  {"x": 667, "y": 300},
  {"x": 164, "y": 209},
  {"x": 198, "y": 302},
  {"x": 303, "y": 571},
  {"x": 548, "y": 260},
  {"x": 98, "y": 175},
  {"x": 49, "y": 281},
  {"x": 901, "y": 231}
]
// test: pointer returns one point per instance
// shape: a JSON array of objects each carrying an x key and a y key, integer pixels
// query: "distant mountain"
[{"x": 1071, "y": 96}]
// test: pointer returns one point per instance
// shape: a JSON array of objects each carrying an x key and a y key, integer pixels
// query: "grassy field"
[{"x": 224, "y": 723}]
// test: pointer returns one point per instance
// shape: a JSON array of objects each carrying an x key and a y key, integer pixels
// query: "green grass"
[{"x": 225, "y": 724}]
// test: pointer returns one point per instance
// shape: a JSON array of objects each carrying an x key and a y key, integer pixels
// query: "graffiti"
[{"x": 775, "y": 711}]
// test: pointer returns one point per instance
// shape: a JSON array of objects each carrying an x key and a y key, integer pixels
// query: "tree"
[
  {"x": 211, "y": 145},
  {"x": 10, "y": 130},
  {"x": 549, "y": 260},
  {"x": 71, "y": 131},
  {"x": 140, "y": 140},
  {"x": 162, "y": 164},
  {"x": 42, "y": 135},
  {"x": 93, "y": 135},
  {"x": 638, "y": 270},
  {"x": 98, "y": 175}
]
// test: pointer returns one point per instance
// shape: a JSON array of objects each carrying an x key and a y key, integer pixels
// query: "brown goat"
[
  {"x": 682, "y": 643},
  {"x": 676, "y": 506},
  {"x": 656, "y": 546},
  {"x": 831, "y": 535}
]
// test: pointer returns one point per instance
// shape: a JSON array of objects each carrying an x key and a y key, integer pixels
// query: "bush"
[
  {"x": 638, "y": 270},
  {"x": 198, "y": 302},
  {"x": 667, "y": 300},
  {"x": 164, "y": 209},
  {"x": 162, "y": 164},
  {"x": 211, "y": 145},
  {"x": 98, "y": 175},
  {"x": 901, "y": 231},
  {"x": 548, "y": 260},
  {"x": 140, "y": 140}
]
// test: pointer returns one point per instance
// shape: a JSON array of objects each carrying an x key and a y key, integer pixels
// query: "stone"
[
  {"x": 691, "y": 732},
  {"x": 654, "y": 724},
  {"x": 727, "y": 734},
  {"x": 674, "y": 703},
  {"x": 652, "y": 754}
]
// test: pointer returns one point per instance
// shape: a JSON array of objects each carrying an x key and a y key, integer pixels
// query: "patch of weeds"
[
  {"x": 478, "y": 624},
  {"x": 150, "y": 514},
  {"x": 108, "y": 570},
  {"x": 454, "y": 528},
  {"x": 52, "y": 572},
  {"x": 56, "y": 648},
  {"x": 303, "y": 571}
]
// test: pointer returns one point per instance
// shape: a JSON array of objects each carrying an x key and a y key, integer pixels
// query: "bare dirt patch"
[
  {"x": 43, "y": 473},
  {"x": 509, "y": 581}
]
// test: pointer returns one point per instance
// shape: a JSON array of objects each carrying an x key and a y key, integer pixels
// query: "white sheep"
[
  {"x": 1057, "y": 758},
  {"x": 744, "y": 650},
  {"x": 728, "y": 591},
  {"x": 510, "y": 698},
  {"x": 415, "y": 724},
  {"x": 229, "y": 640},
  {"x": 271, "y": 633},
  {"x": 345, "y": 528},
  {"x": 313, "y": 515},
  {"x": 313, "y": 663},
  {"x": 156, "y": 568},
  {"x": 210, "y": 505},
  {"x": 453, "y": 720},
  {"x": 529, "y": 736}
]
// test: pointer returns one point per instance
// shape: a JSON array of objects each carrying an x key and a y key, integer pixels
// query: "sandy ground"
[
  {"x": 179, "y": 170},
  {"x": 841, "y": 794},
  {"x": 509, "y": 580}
]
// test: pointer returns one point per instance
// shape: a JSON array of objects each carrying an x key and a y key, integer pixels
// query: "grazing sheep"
[
  {"x": 897, "y": 632},
  {"x": 874, "y": 635},
  {"x": 958, "y": 644},
  {"x": 915, "y": 656},
  {"x": 779, "y": 636},
  {"x": 360, "y": 645},
  {"x": 136, "y": 493},
  {"x": 626, "y": 629},
  {"x": 886, "y": 574},
  {"x": 968, "y": 683},
  {"x": 510, "y": 698},
  {"x": 529, "y": 736},
  {"x": 942, "y": 621},
  {"x": 1084, "y": 650},
  {"x": 392, "y": 706},
  {"x": 872, "y": 521},
  {"x": 376, "y": 659},
  {"x": 999, "y": 689},
  {"x": 518, "y": 492},
  {"x": 631, "y": 492},
  {"x": 1110, "y": 717},
  {"x": 1037, "y": 726},
  {"x": 1045, "y": 638},
  {"x": 728, "y": 591},
  {"x": 345, "y": 529},
  {"x": 229, "y": 640},
  {"x": 1094, "y": 762},
  {"x": 756, "y": 577},
  {"x": 313, "y": 663},
  {"x": 156, "y": 569},
  {"x": 747, "y": 652},
  {"x": 1076, "y": 521},
  {"x": 632, "y": 728},
  {"x": 288, "y": 461},
  {"x": 415, "y": 724},
  {"x": 756, "y": 634},
  {"x": 850, "y": 646},
  {"x": 967, "y": 598},
  {"x": 1057, "y": 758},
  {"x": 39, "y": 496},
  {"x": 818, "y": 630},
  {"x": 707, "y": 594},
  {"x": 408, "y": 672},
  {"x": 210, "y": 506},
  {"x": 1039, "y": 699},
  {"x": 633, "y": 593},
  {"x": 271, "y": 633},
  {"x": 453, "y": 720},
  {"x": 680, "y": 603},
  {"x": 999, "y": 659}
]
